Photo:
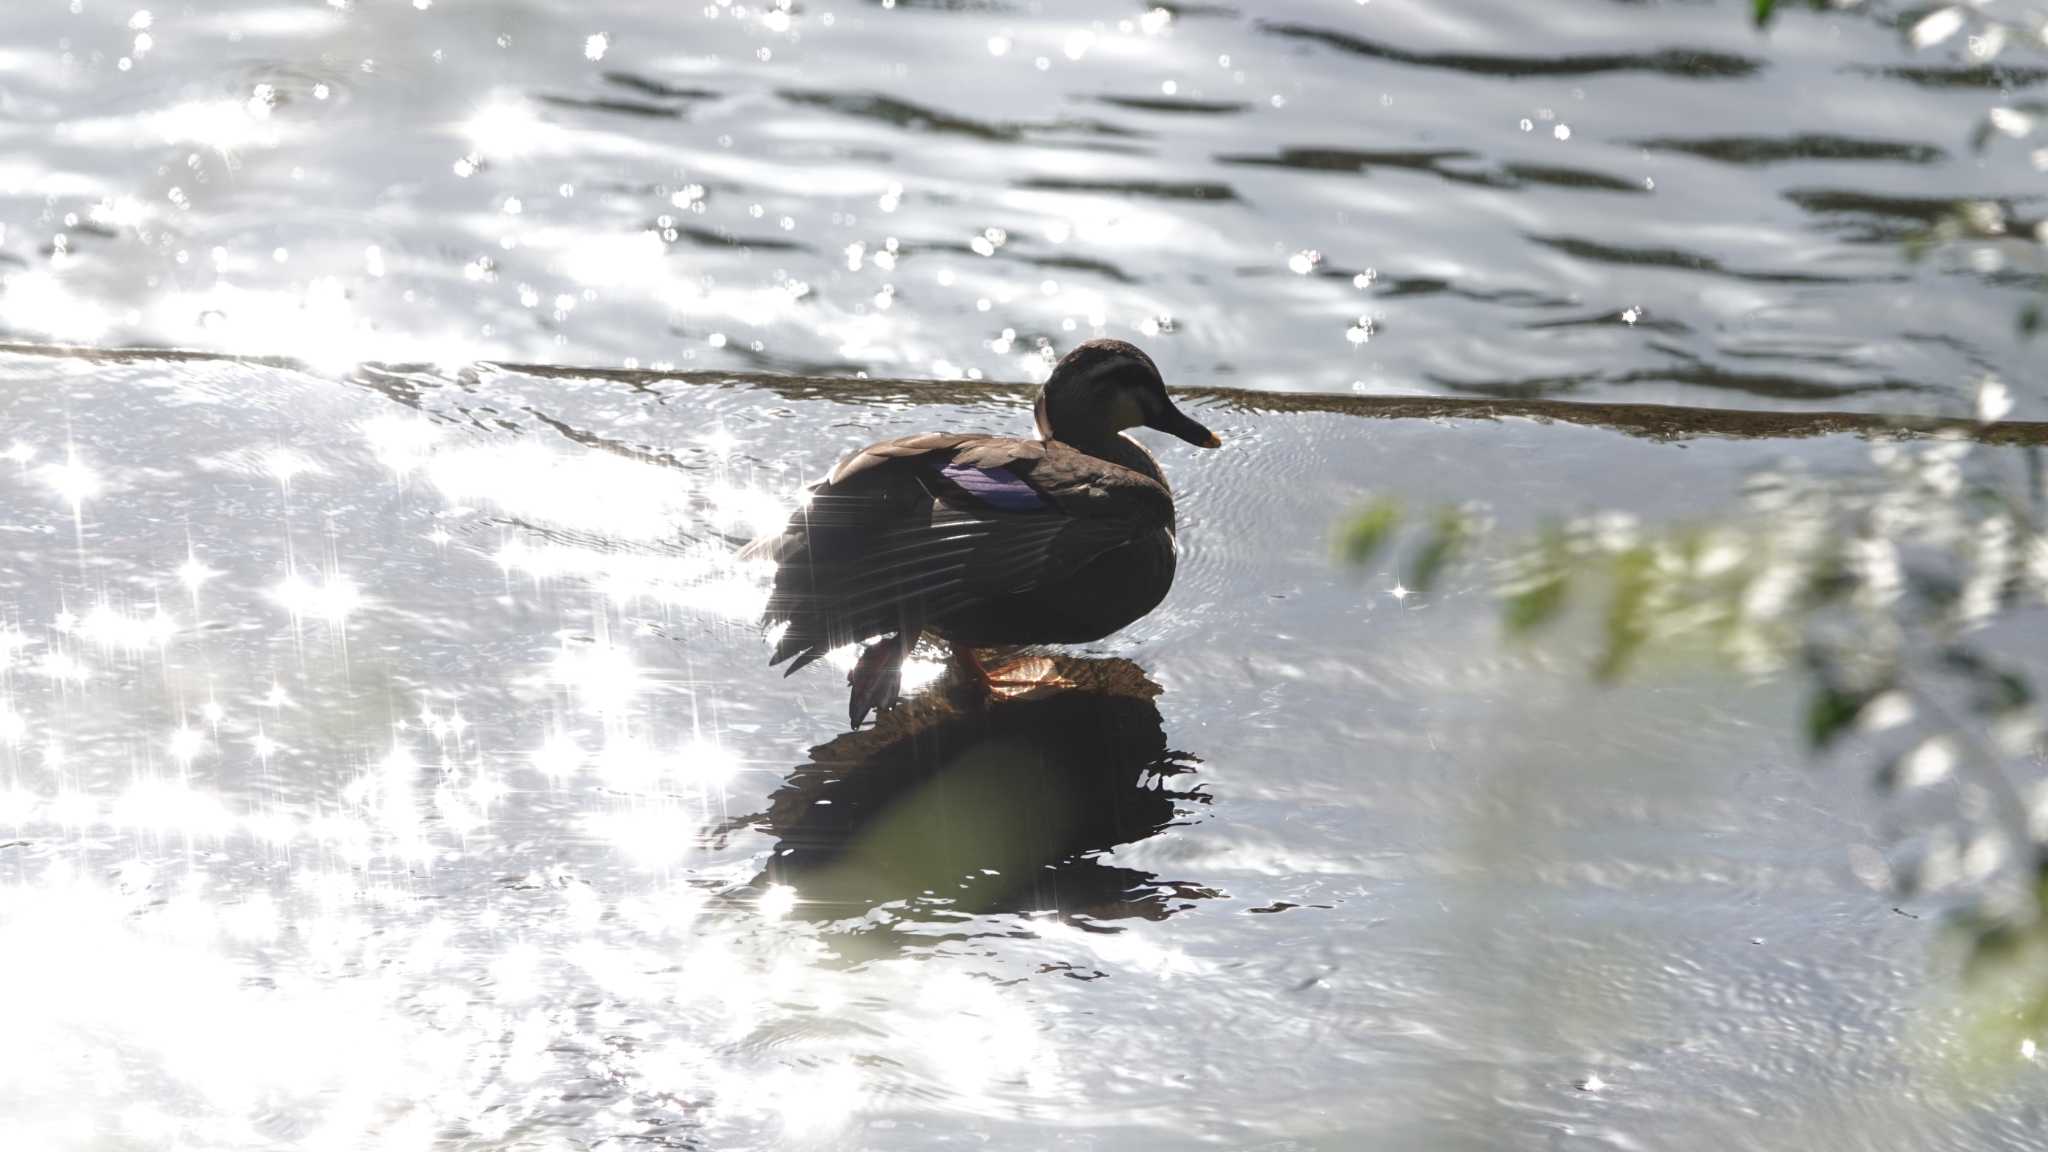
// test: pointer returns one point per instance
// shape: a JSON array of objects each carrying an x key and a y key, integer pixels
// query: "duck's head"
[{"x": 1102, "y": 388}]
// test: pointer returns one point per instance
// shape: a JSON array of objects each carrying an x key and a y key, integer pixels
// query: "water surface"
[
  {"x": 1498, "y": 197},
  {"x": 388, "y": 757},
  {"x": 392, "y": 763}
]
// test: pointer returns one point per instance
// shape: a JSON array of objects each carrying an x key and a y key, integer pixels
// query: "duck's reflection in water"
[{"x": 944, "y": 811}]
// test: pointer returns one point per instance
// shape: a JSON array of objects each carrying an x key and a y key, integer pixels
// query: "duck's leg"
[
  {"x": 976, "y": 677},
  {"x": 877, "y": 678},
  {"x": 971, "y": 673}
]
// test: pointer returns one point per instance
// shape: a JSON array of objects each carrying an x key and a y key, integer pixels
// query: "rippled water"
[
  {"x": 388, "y": 758},
  {"x": 1404, "y": 195},
  {"x": 389, "y": 763}
]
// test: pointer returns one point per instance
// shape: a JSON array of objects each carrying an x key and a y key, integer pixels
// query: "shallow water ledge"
[{"x": 1649, "y": 421}]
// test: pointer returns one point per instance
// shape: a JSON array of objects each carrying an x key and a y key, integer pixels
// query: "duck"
[{"x": 985, "y": 541}]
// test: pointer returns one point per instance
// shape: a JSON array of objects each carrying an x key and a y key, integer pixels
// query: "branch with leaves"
[
  {"x": 1984, "y": 37},
  {"x": 1887, "y": 591}
]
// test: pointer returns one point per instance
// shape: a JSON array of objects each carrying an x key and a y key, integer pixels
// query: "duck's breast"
[
  {"x": 1091, "y": 602},
  {"x": 1124, "y": 584}
]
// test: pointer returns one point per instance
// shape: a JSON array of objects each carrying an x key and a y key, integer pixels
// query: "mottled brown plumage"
[{"x": 987, "y": 540}]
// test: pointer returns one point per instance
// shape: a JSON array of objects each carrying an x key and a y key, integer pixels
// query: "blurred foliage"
[
  {"x": 1535, "y": 595},
  {"x": 1889, "y": 592},
  {"x": 1369, "y": 530},
  {"x": 1885, "y": 591},
  {"x": 1372, "y": 529},
  {"x": 1765, "y": 9},
  {"x": 1443, "y": 544},
  {"x": 1910, "y": 653},
  {"x": 1981, "y": 36}
]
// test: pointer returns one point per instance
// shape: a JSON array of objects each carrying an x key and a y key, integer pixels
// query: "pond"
[
  {"x": 1497, "y": 197},
  {"x": 389, "y": 756},
  {"x": 397, "y": 756}
]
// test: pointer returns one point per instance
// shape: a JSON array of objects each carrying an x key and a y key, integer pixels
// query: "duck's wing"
[{"x": 907, "y": 531}]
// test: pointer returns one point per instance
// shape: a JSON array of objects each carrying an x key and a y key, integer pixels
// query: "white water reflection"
[
  {"x": 392, "y": 773},
  {"x": 43, "y": 302},
  {"x": 255, "y": 893},
  {"x": 596, "y": 492}
]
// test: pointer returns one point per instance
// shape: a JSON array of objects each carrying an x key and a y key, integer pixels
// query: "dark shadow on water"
[
  {"x": 1603, "y": 253},
  {"x": 648, "y": 86},
  {"x": 903, "y": 114},
  {"x": 1559, "y": 177},
  {"x": 1994, "y": 76},
  {"x": 1176, "y": 105},
  {"x": 1458, "y": 165},
  {"x": 920, "y": 118},
  {"x": 1872, "y": 218},
  {"x": 1352, "y": 159},
  {"x": 652, "y": 99},
  {"x": 1776, "y": 385},
  {"x": 1758, "y": 150},
  {"x": 1675, "y": 62},
  {"x": 944, "y": 812},
  {"x": 727, "y": 238},
  {"x": 1073, "y": 264},
  {"x": 614, "y": 105},
  {"x": 1154, "y": 189}
]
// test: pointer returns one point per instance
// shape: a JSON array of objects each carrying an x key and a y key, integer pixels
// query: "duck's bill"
[{"x": 1175, "y": 422}]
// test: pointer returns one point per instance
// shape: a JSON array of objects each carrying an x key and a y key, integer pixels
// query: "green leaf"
[
  {"x": 1830, "y": 582},
  {"x": 1996, "y": 690},
  {"x": 1369, "y": 531},
  {"x": 1628, "y": 614},
  {"x": 1830, "y": 713},
  {"x": 1764, "y": 10},
  {"x": 1534, "y": 606},
  {"x": 1992, "y": 945},
  {"x": 1446, "y": 540},
  {"x": 1538, "y": 601}
]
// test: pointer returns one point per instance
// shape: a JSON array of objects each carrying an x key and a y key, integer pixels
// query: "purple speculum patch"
[{"x": 997, "y": 487}]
